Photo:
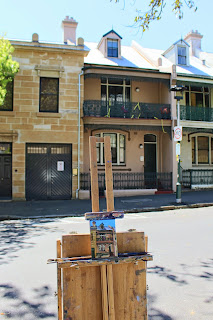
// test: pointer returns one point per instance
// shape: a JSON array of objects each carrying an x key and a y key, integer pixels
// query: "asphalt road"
[{"x": 180, "y": 278}]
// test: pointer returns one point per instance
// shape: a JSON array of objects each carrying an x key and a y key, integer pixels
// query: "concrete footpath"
[{"x": 66, "y": 208}]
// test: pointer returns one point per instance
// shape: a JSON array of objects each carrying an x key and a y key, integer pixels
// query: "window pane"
[
  {"x": 127, "y": 94},
  {"x": 193, "y": 151},
  {"x": 113, "y": 139},
  {"x": 182, "y": 55},
  {"x": 149, "y": 138},
  {"x": 115, "y": 81},
  {"x": 187, "y": 98},
  {"x": 196, "y": 99},
  {"x": 48, "y": 103},
  {"x": 98, "y": 149},
  {"x": 196, "y": 89},
  {"x": 49, "y": 85},
  {"x": 49, "y": 90},
  {"x": 5, "y": 148},
  {"x": 122, "y": 149},
  {"x": 207, "y": 101},
  {"x": 103, "y": 93},
  {"x": 203, "y": 150},
  {"x": 8, "y": 102},
  {"x": 112, "y": 47},
  {"x": 103, "y": 80}
]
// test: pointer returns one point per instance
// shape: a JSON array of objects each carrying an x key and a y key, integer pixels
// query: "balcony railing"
[
  {"x": 129, "y": 110},
  {"x": 131, "y": 180},
  {"x": 196, "y": 113}
]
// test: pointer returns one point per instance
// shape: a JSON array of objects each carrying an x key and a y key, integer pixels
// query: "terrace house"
[
  {"x": 126, "y": 96},
  {"x": 40, "y": 122}
]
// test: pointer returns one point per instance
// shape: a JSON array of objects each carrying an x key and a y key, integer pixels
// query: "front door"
[
  {"x": 48, "y": 171},
  {"x": 5, "y": 170},
  {"x": 150, "y": 166}
]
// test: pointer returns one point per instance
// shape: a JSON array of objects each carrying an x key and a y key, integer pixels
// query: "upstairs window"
[
  {"x": 112, "y": 48},
  {"x": 182, "y": 55},
  {"x": 197, "y": 96},
  {"x": 49, "y": 94},
  {"x": 8, "y": 102}
]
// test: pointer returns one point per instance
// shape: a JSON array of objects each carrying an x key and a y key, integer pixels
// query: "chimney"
[
  {"x": 69, "y": 26},
  {"x": 193, "y": 38}
]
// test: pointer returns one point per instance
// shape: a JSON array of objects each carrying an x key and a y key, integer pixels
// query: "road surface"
[{"x": 180, "y": 278}]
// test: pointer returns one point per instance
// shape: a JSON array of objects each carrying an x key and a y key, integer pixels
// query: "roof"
[
  {"x": 130, "y": 58},
  {"x": 112, "y": 31}
]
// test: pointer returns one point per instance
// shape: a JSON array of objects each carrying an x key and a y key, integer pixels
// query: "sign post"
[{"x": 178, "y": 137}]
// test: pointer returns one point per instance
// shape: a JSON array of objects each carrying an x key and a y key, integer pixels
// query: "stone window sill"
[{"x": 48, "y": 115}]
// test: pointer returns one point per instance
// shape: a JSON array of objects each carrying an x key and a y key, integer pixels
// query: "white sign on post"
[
  {"x": 178, "y": 133},
  {"x": 60, "y": 165},
  {"x": 177, "y": 149}
]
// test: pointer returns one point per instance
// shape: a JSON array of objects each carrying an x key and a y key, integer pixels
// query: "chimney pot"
[{"x": 35, "y": 37}]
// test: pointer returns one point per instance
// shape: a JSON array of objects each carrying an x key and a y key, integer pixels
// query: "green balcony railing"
[
  {"x": 130, "y": 110},
  {"x": 196, "y": 113}
]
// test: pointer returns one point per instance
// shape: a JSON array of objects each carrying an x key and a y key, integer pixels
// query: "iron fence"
[
  {"x": 131, "y": 180},
  {"x": 197, "y": 177},
  {"x": 130, "y": 110},
  {"x": 196, "y": 113}
]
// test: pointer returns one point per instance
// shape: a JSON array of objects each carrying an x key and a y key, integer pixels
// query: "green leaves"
[
  {"x": 8, "y": 67},
  {"x": 155, "y": 11}
]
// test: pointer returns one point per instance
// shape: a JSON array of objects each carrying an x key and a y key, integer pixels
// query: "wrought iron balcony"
[
  {"x": 129, "y": 110},
  {"x": 196, "y": 113}
]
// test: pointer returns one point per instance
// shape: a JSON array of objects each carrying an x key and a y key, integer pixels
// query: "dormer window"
[
  {"x": 182, "y": 55},
  {"x": 112, "y": 48},
  {"x": 110, "y": 45}
]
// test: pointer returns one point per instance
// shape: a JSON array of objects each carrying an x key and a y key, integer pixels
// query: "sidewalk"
[{"x": 66, "y": 208}]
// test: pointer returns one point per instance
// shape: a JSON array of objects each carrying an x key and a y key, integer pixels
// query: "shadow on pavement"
[
  {"x": 17, "y": 307},
  {"x": 153, "y": 312},
  {"x": 14, "y": 236}
]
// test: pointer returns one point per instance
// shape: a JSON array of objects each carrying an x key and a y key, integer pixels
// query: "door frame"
[
  {"x": 11, "y": 168},
  {"x": 156, "y": 157}
]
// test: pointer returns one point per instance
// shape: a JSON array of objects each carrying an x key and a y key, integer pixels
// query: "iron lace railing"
[
  {"x": 131, "y": 180},
  {"x": 197, "y": 177},
  {"x": 130, "y": 110},
  {"x": 196, "y": 113}
]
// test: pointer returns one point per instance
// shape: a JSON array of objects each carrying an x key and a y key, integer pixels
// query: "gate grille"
[{"x": 43, "y": 179}]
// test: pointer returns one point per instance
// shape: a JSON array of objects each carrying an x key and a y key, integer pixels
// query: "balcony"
[
  {"x": 196, "y": 113},
  {"x": 129, "y": 110}
]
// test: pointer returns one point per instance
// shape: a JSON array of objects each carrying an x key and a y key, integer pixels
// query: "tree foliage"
[
  {"x": 155, "y": 11},
  {"x": 8, "y": 67}
]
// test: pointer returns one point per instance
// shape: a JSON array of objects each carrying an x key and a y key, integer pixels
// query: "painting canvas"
[{"x": 103, "y": 238}]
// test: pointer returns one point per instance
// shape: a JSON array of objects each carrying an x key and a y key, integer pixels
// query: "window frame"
[
  {"x": 112, "y": 48},
  {"x": 189, "y": 91},
  {"x": 57, "y": 95},
  {"x": 107, "y": 82},
  {"x": 12, "y": 94},
  {"x": 196, "y": 151},
  {"x": 181, "y": 56},
  {"x": 100, "y": 149}
]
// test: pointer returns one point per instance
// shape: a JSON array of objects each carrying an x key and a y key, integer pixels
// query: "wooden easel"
[{"x": 107, "y": 289}]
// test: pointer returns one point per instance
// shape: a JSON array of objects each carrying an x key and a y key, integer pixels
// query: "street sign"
[
  {"x": 178, "y": 133},
  {"x": 177, "y": 149}
]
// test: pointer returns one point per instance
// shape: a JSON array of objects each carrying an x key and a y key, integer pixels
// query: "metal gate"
[
  {"x": 48, "y": 171},
  {"x": 5, "y": 170}
]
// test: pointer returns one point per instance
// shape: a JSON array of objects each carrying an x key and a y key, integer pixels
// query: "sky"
[{"x": 20, "y": 19}]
